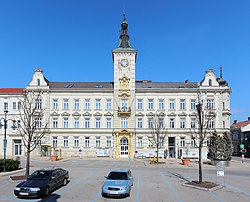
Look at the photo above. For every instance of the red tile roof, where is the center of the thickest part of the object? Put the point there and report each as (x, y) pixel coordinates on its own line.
(11, 90)
(240, 124)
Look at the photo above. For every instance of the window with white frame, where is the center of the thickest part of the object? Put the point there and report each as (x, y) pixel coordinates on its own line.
(65, 122)
(139, 103)
(38, 104)
(65, 141)
(193, 143)
(210, 104)
(19, 105)
(55, 122)
(14, 105)
(150, 104)
(139, 141)
(76, 122)
(171, 123)
(124, 103)
(150, 122)
(87, 122)
(54, 141)
(55, 104)
(108, 104)
(182, 104)
(193, 122)
(76, 141)
(87, 103)
(223, 124)
(171, 104)
(151, 142)
(97, 103)
(38, 122)
(182, 142)
(97, 122)
(76, 104)
(161, 122)
(210, 122)
(109, 141)
(182, 123)
(124, 122)
(65, 104)
(192, 104)
(98, 141)
(161, 104)
(139, 123)
(108, 122)
(86, 141)
(5, 106)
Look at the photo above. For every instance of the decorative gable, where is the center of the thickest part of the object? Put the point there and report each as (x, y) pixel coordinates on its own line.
(54, 114)
(65, 114)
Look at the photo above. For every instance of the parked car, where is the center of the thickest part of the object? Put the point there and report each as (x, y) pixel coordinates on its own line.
(117, 183)
(41, 183)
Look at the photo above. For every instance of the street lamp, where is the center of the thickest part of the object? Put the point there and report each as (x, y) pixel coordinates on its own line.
(5, 120)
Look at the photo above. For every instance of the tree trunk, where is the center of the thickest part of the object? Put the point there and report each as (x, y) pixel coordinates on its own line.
(157, 154)
(27, 164)
(200, 165)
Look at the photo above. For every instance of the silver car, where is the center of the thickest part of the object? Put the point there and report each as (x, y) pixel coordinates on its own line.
(117, 183)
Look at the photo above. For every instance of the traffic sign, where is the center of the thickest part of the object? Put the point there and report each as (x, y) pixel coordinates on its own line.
(241, 146)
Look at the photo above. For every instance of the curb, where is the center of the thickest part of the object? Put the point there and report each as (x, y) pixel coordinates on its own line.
(203, 188)
(12, 172)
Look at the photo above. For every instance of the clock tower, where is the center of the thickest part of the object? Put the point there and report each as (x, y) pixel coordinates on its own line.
(124, 59)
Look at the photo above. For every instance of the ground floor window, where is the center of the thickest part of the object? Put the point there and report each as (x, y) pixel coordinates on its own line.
(17, 147)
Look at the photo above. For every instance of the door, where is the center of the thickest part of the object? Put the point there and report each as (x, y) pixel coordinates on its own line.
(124, 147)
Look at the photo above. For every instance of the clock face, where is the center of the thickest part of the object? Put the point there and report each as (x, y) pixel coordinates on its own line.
(124, 62)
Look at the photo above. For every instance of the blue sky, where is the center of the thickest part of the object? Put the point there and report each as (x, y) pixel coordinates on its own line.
(72, 40)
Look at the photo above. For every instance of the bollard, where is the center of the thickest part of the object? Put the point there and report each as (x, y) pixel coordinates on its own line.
(242, 158)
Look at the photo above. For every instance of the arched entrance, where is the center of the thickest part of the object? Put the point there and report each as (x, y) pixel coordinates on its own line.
(124, 147)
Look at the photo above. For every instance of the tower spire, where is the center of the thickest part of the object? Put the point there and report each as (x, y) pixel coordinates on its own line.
(124, 36)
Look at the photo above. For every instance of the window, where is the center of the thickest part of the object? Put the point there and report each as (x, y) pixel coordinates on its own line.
(192, 104)
(161, 122)
(38, 82)
(223, 124)
(19, 105)
(97, 122)
(14, 105)
(139, 122)
(193, 122)
(150, 122)
(38, 122)
(65, 122)
(108, 104)
(86, 141)
(151, 142)
(65, 104)
(161, 104)
(223, 105)
(76, 104)
(150, 104)
(108, 122)
(55, 104)
(210, 123)
(55, 122)
(98, 141)
(38, 104)
(171, 104)
(139, 103)
(66, 141)
(182, 123)
(76, 122)
(182, 104)
(210, 104)
(182, 142)
(87, 122)
(124, 122)
(210, 82)
(98, 104)
(193, 143)
(139, 141)
(5, 106)
(124, 103)
(17, 147)
(87, 103)
(109, 141)
(171, 123)
(76, 141)
(54, 141)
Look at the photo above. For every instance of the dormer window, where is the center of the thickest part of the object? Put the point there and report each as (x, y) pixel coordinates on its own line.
(38, 82)
(210, 82)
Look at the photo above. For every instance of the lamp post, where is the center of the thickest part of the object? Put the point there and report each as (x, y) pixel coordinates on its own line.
(5, 120)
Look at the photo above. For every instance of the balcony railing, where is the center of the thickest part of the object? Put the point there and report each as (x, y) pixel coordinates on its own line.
(124, 111)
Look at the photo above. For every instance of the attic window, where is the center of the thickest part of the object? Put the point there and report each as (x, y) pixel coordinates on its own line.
(68, 85)
(38, 82)
(210, 82)
(99, 86)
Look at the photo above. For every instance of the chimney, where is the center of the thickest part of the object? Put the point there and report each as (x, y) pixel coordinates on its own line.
(186, 81)
(248, 119)
(235, 121)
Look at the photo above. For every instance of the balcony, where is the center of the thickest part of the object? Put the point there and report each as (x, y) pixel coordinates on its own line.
(226, 112)
(124, 111)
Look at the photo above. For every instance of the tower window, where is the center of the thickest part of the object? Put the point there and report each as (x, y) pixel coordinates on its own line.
(38, 82)
(210, 82)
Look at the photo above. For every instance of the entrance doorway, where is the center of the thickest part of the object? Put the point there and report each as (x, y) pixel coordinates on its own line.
(171, 147)
(124, 147)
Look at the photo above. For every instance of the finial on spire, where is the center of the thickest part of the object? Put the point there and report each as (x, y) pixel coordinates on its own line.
(220, 71)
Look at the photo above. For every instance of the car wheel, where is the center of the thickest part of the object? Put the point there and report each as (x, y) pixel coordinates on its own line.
(103, 195)
(128, 195)
(46, 191)
(64, 182)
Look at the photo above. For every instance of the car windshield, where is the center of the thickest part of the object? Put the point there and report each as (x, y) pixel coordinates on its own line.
(39, 175)
(117, 176)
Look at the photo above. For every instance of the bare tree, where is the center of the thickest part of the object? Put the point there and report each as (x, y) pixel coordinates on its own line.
(32, 125)
(158, 132)
(204, 120)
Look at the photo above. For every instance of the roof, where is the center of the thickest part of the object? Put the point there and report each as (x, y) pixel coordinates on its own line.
(240, 124)
(11, 90)
(168, 85)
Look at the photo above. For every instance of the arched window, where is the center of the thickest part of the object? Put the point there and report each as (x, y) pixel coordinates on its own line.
(38, 82)
(210, 82)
